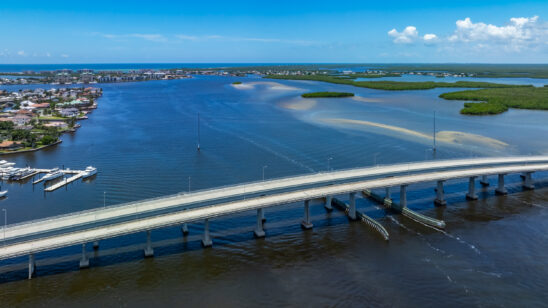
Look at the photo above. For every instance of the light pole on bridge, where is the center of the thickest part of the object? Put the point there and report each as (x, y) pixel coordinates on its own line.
(264, 167)
(328, 163)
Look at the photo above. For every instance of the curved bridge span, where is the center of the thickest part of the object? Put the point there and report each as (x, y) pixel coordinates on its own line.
(79, 228)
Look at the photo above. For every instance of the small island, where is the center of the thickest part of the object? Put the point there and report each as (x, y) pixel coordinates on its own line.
(326, 94)
(495, 101)
(237, 82)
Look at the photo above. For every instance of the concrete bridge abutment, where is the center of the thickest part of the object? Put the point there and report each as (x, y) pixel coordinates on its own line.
(306, 224)
(259, 231)
(149, 252)
(471, 195)
(84, 260)
(440, 201)
(206, 241)
(501, 190)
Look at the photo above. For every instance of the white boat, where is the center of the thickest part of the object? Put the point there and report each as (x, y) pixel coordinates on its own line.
(8, 172)
(89, 172)
(6, 165)
(3, 193)
(55, 173)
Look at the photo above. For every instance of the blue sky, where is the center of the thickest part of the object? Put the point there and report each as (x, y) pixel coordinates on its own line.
(273, 31)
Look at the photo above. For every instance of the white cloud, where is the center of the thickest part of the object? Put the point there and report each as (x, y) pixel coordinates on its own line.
(21, 53)
(64, 56)
(429, 37)
(408, 35)
(150, 37)
(186, 37)
(48, 54)
(519, 34)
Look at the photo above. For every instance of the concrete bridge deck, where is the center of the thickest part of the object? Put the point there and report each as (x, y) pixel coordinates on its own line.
(222, 209)
(150, 206)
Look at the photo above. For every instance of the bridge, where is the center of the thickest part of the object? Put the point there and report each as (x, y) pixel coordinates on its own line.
(30, 238)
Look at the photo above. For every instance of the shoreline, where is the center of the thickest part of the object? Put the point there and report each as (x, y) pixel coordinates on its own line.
(32, 150)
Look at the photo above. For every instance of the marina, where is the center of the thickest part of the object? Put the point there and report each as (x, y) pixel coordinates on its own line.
(11, 173)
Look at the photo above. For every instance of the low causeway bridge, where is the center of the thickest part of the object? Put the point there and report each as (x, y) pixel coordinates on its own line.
(91, 226)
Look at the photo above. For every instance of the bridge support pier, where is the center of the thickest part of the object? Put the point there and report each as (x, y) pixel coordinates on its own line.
(32, 266)
(352, 208)
(306, 224)
(387, 196)
(95, 245)
(471, 195)
(206, 241)
(439, 195)
(263, 218)
(259, 231)
(528, 183)
(484, 181)
(501, 190)
(149, 252)
(328, 201)
(184, 229)
(84, 261)
(403, 197)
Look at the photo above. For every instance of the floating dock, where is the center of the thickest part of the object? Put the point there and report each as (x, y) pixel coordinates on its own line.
(65, 181)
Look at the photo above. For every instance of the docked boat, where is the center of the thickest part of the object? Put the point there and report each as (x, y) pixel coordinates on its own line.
(21, 173)
(90, 171)
(8, 172)
(6, 164)
(3, 193)
(55, 173)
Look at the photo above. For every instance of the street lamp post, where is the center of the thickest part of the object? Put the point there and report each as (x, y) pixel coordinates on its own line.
(328, 164)
(189, 185)
(264, 167)
(104, 199)
(375, 159)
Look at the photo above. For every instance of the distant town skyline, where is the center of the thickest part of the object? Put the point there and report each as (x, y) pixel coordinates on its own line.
(37, 32)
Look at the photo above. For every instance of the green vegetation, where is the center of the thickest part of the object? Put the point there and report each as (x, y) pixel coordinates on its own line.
(327, 94)
(495, 101)
(394, 85)
(237, 82)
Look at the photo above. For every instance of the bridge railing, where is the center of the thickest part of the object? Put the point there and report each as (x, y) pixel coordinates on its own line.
(220, 189)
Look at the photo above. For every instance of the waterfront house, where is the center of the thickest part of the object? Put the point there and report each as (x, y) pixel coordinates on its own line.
(69, 112)
(56, 124)
(8, 145)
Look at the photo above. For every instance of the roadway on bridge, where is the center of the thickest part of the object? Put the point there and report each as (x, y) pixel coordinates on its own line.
(223, 209)
(149, 206)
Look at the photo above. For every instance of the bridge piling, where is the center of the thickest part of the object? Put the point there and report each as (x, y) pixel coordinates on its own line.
(528, 183)
(501, 190)
(306, 224)
(184, 229)
(352, 209)
(259, 231)
(387, 196)
(484, 181)
(84, 261)
(206, 241)
(32, 266)
(95, 245)
(327, 205)
(403, 197)
(149, 252)
(439, 201)
(471, 195)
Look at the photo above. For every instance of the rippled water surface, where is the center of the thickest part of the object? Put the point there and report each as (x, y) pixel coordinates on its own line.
(143, 140)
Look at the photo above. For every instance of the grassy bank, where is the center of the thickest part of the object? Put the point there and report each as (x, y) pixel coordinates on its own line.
(326, 94)
(394, 85)
(495, 101)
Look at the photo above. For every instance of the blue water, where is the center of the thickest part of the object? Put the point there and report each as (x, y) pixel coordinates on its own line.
(143, 140)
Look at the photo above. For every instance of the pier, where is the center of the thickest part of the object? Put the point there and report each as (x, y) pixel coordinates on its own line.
(31, 238)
